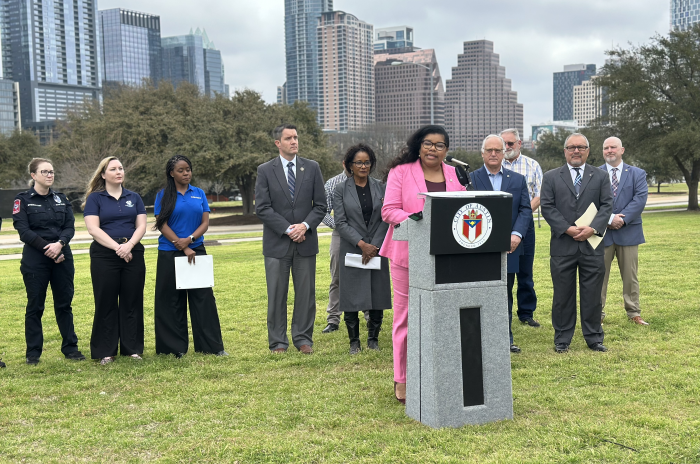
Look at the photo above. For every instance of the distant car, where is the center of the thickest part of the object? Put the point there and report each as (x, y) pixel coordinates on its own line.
(236, 197)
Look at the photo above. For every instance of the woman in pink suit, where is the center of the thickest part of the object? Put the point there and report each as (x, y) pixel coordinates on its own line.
(417, 169)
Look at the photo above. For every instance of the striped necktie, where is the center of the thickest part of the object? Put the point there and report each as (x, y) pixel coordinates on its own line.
(291, 180)
(577, 181)
(615, 182)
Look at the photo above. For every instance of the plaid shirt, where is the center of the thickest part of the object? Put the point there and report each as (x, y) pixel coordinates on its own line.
(330, 188)
(529, 168)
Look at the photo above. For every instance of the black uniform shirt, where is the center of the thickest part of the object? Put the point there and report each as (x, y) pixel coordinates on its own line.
(43, 219)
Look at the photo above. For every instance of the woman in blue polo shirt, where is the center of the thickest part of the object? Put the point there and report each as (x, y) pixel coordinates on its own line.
(182, 216)
(116, 219)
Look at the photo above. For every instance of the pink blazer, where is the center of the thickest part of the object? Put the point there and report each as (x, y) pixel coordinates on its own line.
(401, 199)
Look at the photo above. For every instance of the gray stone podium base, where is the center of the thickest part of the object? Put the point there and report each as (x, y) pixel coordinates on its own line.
(435, 356)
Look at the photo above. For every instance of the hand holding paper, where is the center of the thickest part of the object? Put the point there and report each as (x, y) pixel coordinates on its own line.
(585, 221)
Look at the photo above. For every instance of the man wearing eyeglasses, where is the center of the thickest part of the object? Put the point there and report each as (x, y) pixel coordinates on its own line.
(567, 193)
(528, 167)
(492, 176)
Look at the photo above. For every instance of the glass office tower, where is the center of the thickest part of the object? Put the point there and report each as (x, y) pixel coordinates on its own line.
(684, 13)
(194, 58)
(564, 82)
(8, 107)
(301, 17)
(130, 47)
(51, 48)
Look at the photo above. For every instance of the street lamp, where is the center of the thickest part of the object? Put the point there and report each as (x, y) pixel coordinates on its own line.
(432, 87)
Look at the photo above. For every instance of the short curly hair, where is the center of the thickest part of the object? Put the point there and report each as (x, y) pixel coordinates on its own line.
(354, 150)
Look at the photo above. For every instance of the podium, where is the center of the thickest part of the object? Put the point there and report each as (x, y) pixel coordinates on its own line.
(458, 367)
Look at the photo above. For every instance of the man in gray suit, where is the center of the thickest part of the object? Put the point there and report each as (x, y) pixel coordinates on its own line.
(291, 202)
(629, 189)
(567, 192)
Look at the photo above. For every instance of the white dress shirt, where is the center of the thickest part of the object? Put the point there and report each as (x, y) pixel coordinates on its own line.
(619, 181)
(573, 173)
(285, 162)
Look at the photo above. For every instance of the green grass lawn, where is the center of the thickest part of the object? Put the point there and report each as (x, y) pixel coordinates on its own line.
(331, 407)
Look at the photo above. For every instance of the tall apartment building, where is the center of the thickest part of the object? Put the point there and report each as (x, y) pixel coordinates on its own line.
(346, 72)
(301, 19)
(130, 47)
(51, 48)
(402, 86)
(388, 38)
(684, 13)
(564, 82)
(9, 108)
(282, 94)
(194, 58)
(479, 99)
(590, 102)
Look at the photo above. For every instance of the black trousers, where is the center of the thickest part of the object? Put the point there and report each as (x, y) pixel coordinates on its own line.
(38, 271)
(591, 272)
(118, 290)
(170, 311)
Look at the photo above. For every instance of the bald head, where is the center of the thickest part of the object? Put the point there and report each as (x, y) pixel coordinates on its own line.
(612, 151)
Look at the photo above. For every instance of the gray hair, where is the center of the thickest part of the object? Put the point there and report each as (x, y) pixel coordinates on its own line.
(512, 131)
(277, 131)
(483, 144)
(566, 142)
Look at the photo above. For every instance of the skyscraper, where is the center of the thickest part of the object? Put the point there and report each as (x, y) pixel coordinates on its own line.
(9, 110)
(346, 72)
(479, 99)
(130, 47)
(300, 21)
(403, 89)
(684, 13)
(388, 38)
(194, 58)
(564, 82)
(52, 49)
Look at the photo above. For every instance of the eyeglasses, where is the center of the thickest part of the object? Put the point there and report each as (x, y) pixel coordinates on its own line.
(497, 151)
(577, 147)
(427, 144)
(362, 164)
(47, 173)
(511, 144)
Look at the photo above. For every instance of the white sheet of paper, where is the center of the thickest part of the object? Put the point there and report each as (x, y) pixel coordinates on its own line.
(585, 220)
(197, 275)
(355, 260)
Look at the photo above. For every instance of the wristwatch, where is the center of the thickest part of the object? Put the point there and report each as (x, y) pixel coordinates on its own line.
(595, 232)
(192, 238)
(62, 243)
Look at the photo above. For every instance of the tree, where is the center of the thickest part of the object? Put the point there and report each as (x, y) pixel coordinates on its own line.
(655, 91)
(16, 151)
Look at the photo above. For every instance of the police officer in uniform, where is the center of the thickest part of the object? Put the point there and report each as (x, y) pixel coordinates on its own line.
(45, 222)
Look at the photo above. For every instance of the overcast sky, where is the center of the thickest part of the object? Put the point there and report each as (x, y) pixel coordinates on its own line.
(534, 38)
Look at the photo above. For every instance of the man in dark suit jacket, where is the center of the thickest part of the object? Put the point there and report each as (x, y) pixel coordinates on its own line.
(290, 201)
(567, 193)
(629, 189)
(492, 176)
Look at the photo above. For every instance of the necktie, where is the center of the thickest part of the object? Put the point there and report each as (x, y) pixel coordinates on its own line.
(577, 181)
(291, 180)
(615, 182)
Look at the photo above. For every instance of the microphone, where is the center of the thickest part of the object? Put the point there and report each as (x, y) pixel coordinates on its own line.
(451, 159)
(462, 171)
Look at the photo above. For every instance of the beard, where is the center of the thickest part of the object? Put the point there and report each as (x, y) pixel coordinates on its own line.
(510, 154)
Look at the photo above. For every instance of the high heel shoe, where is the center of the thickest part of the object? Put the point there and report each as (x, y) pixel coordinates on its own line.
(396, 393)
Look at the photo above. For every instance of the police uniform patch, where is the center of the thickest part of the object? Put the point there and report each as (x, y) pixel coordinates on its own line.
(57, 199)
(15, 207)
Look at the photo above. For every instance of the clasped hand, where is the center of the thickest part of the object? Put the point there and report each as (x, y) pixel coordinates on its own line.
(580, 234)
(617, 222)
(368, 251)
(124, 250)
(53, 250)
(297, 232)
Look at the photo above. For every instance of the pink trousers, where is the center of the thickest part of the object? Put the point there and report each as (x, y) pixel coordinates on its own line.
(399, 278)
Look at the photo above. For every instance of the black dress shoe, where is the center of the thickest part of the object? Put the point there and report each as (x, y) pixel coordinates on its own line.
(373, 345)
(530, 321)
(33, 360)
(221, 353)
(179, 355)
(330, 328)
(515, 349)
(598, 347)
(561, 347)
(2, 364)
(355, 347)
(75, 356)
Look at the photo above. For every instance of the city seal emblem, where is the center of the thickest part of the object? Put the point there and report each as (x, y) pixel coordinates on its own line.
(472, 225)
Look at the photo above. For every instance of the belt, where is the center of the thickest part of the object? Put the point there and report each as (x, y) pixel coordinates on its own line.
(120, 240)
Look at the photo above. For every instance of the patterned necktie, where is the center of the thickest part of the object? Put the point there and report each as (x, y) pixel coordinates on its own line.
(291, 180)
(615, 182)
(577, 181)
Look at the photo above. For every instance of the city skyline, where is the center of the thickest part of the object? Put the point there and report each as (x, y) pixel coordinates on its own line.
(530, 47)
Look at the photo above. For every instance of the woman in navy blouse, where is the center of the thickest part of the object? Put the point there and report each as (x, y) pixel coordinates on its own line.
(182, 216)
(116, 219)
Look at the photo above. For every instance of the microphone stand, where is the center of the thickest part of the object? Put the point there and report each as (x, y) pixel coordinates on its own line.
(462, 170)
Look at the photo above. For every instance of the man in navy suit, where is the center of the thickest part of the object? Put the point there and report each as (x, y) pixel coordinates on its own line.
(629, 189)
(492, 176)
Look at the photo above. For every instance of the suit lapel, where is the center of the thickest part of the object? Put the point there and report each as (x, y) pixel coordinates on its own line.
(483, 177)
(419, 177)
(282, 178)
(351, 187)
(626, 177)
(375, 186)
(566, 177)
(585, 178)
(505, 180)
(299, 177)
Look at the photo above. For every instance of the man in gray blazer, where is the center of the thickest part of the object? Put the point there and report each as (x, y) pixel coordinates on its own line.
(629, 189)
(567, 192)
(291, 202)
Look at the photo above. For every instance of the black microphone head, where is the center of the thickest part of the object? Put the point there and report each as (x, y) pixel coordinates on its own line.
(448, 158)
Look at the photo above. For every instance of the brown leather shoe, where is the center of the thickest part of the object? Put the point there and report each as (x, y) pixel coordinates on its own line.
(638, 320)
(279, 350)
(400, 392)
(306, 349)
